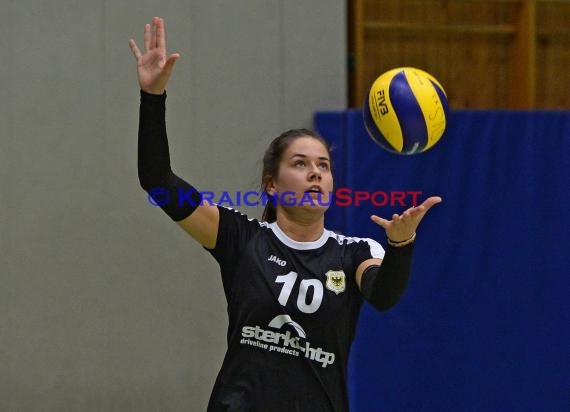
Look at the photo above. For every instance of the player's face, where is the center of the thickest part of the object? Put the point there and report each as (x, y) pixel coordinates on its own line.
(305, 170)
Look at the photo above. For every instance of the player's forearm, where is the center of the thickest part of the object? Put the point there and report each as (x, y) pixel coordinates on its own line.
(153, 153)
(383, 285)
(177, 198)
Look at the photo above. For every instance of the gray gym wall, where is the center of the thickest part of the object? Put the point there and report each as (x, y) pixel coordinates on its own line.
(105, 304)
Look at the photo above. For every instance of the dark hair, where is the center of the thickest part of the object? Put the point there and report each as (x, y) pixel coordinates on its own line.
(271, 161)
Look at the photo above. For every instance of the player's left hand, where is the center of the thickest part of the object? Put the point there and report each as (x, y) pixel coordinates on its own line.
(403, 227)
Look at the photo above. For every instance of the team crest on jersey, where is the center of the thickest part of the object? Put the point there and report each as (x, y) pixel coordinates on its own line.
(336, 281)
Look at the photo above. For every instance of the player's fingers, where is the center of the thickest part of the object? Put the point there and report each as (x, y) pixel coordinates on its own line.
(170, 62)
(153, 33)
(379, 221)
(416, 211)
(147, 37)
(135, 49)
(430, 201)
(160, 34)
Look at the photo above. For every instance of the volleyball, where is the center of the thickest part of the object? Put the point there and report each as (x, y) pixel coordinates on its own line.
(406, 111)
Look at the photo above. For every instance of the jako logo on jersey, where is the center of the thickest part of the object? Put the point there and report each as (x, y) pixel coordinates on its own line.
(285, 343)
(275, 259)
(336, 281)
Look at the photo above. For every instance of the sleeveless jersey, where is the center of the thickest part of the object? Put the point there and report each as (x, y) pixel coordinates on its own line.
(292, 310)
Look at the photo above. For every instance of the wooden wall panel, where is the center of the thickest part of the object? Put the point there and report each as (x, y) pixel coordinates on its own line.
(487, 54)
(472, 74)
(553, 55)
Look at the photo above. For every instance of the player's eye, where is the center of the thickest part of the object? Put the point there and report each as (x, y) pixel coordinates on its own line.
(324, 166)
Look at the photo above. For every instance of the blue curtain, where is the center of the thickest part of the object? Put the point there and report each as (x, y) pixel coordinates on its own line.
(485, 322)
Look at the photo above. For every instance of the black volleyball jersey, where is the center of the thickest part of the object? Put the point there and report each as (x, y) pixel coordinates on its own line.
(292, 309)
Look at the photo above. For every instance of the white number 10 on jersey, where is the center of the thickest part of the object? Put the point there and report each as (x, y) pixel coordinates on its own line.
(289, 281)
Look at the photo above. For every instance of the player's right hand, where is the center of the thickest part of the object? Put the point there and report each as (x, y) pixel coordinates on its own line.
(154, 67)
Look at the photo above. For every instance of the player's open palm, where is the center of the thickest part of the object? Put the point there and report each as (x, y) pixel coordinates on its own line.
(154, 66)
(403, 226)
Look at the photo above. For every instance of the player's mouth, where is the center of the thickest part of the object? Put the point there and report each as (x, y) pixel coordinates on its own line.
(314, 189)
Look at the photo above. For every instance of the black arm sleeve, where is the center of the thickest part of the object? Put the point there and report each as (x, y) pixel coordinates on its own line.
(175, 196)
(383, 285)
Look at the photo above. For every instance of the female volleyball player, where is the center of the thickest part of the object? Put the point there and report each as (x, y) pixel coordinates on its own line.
(294, 289)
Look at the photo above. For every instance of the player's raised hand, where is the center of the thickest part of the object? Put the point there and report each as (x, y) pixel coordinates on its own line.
(154, 66)
(403, 227)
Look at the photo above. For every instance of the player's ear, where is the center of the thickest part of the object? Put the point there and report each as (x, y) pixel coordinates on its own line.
(269, 185)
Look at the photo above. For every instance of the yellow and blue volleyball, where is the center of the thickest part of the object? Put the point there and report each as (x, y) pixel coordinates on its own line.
(406, 111)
